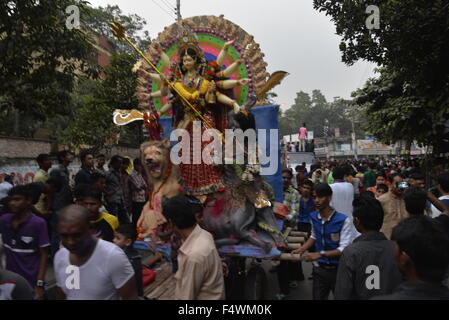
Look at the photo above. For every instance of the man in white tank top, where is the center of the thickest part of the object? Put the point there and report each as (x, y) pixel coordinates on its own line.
(87, 268)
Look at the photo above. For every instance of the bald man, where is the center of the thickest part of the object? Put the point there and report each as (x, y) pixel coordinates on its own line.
(87, 268)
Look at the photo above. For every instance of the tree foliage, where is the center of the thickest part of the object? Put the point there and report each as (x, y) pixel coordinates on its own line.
(394, 112)
(92, 125)
(40, 58)
(320, 116)
(97, 20)
(412, 46)
(46, 68)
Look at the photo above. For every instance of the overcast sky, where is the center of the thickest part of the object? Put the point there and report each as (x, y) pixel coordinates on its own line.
(294, 37)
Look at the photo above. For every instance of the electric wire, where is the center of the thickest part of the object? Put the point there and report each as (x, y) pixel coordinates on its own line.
(163, 9)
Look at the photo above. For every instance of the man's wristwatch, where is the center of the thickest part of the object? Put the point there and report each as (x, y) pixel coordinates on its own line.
(40, 284)
(322, 253)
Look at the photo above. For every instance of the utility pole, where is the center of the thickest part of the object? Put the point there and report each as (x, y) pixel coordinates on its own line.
(354, 140)
(178, 9)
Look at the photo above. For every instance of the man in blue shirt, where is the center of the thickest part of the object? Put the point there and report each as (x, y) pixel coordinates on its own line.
(331, 234)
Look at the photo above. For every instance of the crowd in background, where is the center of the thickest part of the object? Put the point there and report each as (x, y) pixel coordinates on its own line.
(362, 218)
(351, 210)
(299, 146)
(113, 196)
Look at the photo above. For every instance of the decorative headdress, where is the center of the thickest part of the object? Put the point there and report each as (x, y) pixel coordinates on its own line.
(189, 40)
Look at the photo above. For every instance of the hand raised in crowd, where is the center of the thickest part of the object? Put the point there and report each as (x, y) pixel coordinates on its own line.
(440, 205)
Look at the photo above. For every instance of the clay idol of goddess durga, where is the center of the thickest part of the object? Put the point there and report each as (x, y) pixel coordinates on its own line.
(237, 201)
(205, 85)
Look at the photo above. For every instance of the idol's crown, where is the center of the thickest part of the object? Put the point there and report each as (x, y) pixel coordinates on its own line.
(189, 40)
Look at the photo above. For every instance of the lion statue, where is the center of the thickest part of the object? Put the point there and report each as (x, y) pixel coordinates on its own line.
(164, 178)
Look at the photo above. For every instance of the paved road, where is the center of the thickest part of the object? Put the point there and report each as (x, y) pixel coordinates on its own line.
(239, 289)
(302, 292)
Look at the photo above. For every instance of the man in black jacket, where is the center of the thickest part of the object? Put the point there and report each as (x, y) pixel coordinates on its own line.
(422, 254)
(84, 176)
(367, 267)
(64, 197)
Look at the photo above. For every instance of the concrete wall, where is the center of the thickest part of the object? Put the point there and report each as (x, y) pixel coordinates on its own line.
(18, 148)
(18, 156)
(24, 170)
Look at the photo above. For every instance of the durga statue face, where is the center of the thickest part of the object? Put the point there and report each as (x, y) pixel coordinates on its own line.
(189, 60)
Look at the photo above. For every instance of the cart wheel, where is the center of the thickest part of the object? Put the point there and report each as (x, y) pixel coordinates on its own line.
(255, 284)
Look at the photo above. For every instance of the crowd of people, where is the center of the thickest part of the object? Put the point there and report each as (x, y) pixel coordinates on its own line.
(299, 146)
(87, 227)
(99, 201)
(376, 230)
(302, 145)
(368, 220)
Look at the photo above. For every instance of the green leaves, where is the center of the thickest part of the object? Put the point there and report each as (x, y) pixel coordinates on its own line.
(410, 99)
(314, 111)
(92, 124)
(40, 58)
(97, 20)
(45, 69)
(393, 116)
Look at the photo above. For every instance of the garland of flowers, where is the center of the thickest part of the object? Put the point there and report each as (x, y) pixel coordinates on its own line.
(151, 197)
(152, 193)
(250, 172)
(268, 228)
